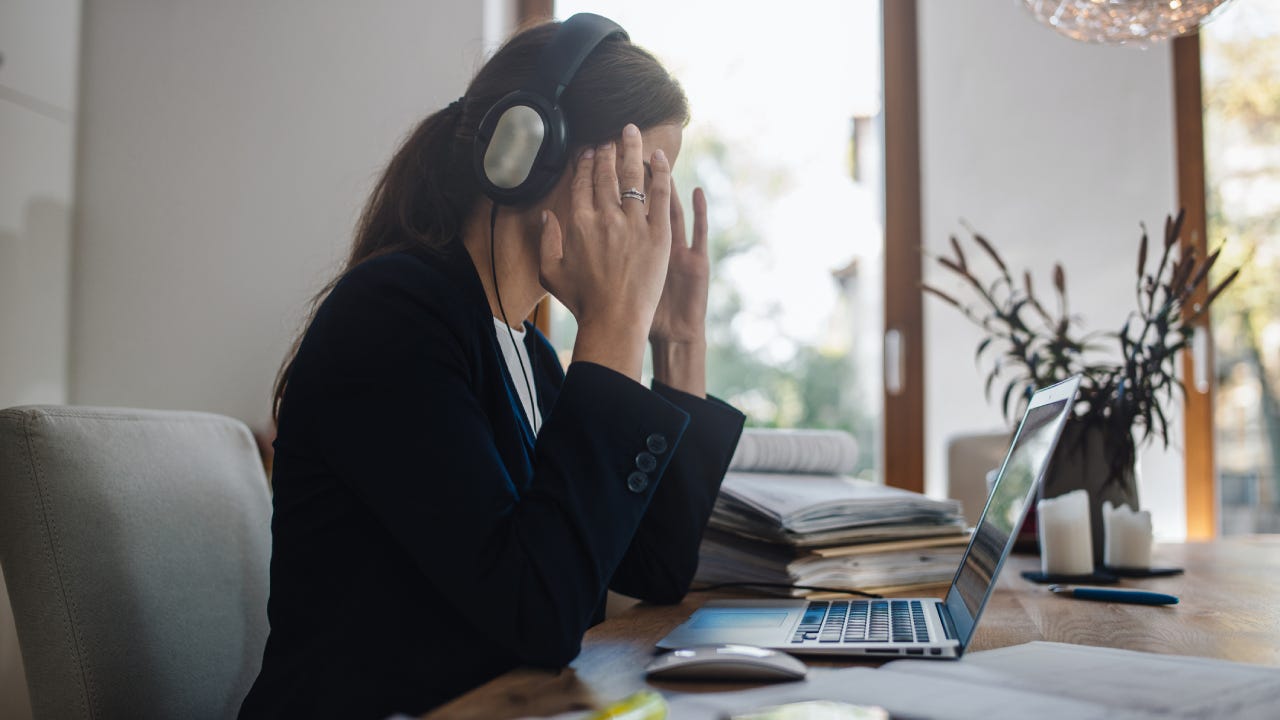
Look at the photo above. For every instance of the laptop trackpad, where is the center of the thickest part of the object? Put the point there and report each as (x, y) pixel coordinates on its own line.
(725, 619)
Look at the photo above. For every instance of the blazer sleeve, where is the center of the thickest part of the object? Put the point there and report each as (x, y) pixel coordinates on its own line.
(401, 424)
(663, 557)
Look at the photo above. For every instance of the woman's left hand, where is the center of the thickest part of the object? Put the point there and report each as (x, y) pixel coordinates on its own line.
(679, 331)
(681, 316)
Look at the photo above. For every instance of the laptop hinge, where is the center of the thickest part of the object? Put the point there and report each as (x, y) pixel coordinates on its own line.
(947, 626)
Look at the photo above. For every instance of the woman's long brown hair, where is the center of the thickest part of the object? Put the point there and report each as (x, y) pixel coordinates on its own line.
(429, 188)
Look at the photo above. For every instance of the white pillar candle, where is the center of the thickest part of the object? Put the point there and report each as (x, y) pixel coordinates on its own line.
(1128, 537)
(1066, 544)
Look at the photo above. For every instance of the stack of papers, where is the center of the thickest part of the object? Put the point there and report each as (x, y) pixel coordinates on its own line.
(789, 507)
(822, 528)
(866, 566)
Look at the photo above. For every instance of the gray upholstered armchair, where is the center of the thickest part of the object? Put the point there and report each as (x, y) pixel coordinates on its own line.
(135, 547)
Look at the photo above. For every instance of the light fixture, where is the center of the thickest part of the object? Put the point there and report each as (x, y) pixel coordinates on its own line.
(1138, 22)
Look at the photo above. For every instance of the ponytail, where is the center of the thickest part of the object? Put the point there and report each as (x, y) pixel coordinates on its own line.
(420, 202)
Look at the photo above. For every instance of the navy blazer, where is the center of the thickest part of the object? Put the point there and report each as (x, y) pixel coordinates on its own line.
(423, 541)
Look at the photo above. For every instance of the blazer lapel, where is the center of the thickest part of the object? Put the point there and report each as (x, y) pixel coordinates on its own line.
(460, 266)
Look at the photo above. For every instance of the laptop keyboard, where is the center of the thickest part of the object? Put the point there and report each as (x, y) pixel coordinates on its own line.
(899, 621)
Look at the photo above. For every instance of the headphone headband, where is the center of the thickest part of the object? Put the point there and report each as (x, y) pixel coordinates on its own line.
(569, 47)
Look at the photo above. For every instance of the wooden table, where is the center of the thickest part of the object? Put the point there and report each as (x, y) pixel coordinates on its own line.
(1228, 610)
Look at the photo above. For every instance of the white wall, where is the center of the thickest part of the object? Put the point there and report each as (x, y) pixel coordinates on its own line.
(226, 149)
(39, 42)
(1055, 150)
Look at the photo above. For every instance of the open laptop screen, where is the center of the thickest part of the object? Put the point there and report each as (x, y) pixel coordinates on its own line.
(1006, 508)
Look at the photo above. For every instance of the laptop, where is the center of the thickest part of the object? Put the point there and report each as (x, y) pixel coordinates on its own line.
(915, 627)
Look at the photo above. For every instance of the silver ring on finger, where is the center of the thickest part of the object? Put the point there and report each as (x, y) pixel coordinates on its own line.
(634, 194)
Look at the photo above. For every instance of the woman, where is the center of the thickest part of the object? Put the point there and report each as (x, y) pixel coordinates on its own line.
(450, 503)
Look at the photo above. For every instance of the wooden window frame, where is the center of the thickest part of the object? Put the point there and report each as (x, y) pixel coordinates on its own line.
(903, 450)
(527, 10)
(903, 415)
(1201, 493)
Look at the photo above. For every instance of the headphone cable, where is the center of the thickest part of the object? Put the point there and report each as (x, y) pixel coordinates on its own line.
(493, 268)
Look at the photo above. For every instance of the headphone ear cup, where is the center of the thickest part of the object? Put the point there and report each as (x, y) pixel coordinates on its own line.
(520, 148)
(521, 145)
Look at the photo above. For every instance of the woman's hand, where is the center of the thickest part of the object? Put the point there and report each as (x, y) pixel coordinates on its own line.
(607, 263)
(679, 331)
(682, 310)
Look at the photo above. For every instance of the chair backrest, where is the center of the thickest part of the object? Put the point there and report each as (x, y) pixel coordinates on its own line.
(15, 701)
(969, 459)
(135, 546)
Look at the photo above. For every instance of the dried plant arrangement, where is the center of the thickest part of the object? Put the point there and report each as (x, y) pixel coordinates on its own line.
(1128, 376)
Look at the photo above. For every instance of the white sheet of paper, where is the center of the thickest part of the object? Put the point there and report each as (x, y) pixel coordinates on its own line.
(809, 502)
(1038, 679)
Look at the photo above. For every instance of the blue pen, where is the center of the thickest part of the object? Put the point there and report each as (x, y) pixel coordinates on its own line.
(1120, 595)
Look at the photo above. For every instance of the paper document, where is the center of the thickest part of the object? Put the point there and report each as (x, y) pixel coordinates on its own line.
(813, 502)
(795, 451)
(1044, 680)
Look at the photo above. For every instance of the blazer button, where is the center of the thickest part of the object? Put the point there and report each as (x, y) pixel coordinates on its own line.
(657, 443)
(646, 462)
(637, 482)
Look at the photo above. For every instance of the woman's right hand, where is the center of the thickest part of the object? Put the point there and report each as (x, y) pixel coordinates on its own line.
(608, 262)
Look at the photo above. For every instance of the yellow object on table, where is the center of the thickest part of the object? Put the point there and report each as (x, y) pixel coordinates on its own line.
(644, 705)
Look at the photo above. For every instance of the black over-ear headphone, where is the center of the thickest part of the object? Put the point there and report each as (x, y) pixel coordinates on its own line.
(522, 144)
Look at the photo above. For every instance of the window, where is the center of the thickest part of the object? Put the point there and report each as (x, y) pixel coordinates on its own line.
(1240, 66)
(786, 139)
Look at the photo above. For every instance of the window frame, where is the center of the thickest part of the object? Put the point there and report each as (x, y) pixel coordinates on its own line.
(1198, 461)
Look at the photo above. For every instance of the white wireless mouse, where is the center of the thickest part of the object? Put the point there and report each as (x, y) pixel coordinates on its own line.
(726, 662)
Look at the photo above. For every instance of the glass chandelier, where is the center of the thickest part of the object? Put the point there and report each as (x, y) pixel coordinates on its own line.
(1139, 22)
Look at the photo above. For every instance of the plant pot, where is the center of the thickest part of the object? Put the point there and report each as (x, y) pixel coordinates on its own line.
(1103, 464)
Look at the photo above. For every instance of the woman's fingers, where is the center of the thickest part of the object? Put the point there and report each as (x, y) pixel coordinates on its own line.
(581, 188)
(608, 262)
(605, 176)
(550, 250)
(631, 172)
(677, 219)
(660, 197)
(699, 221)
